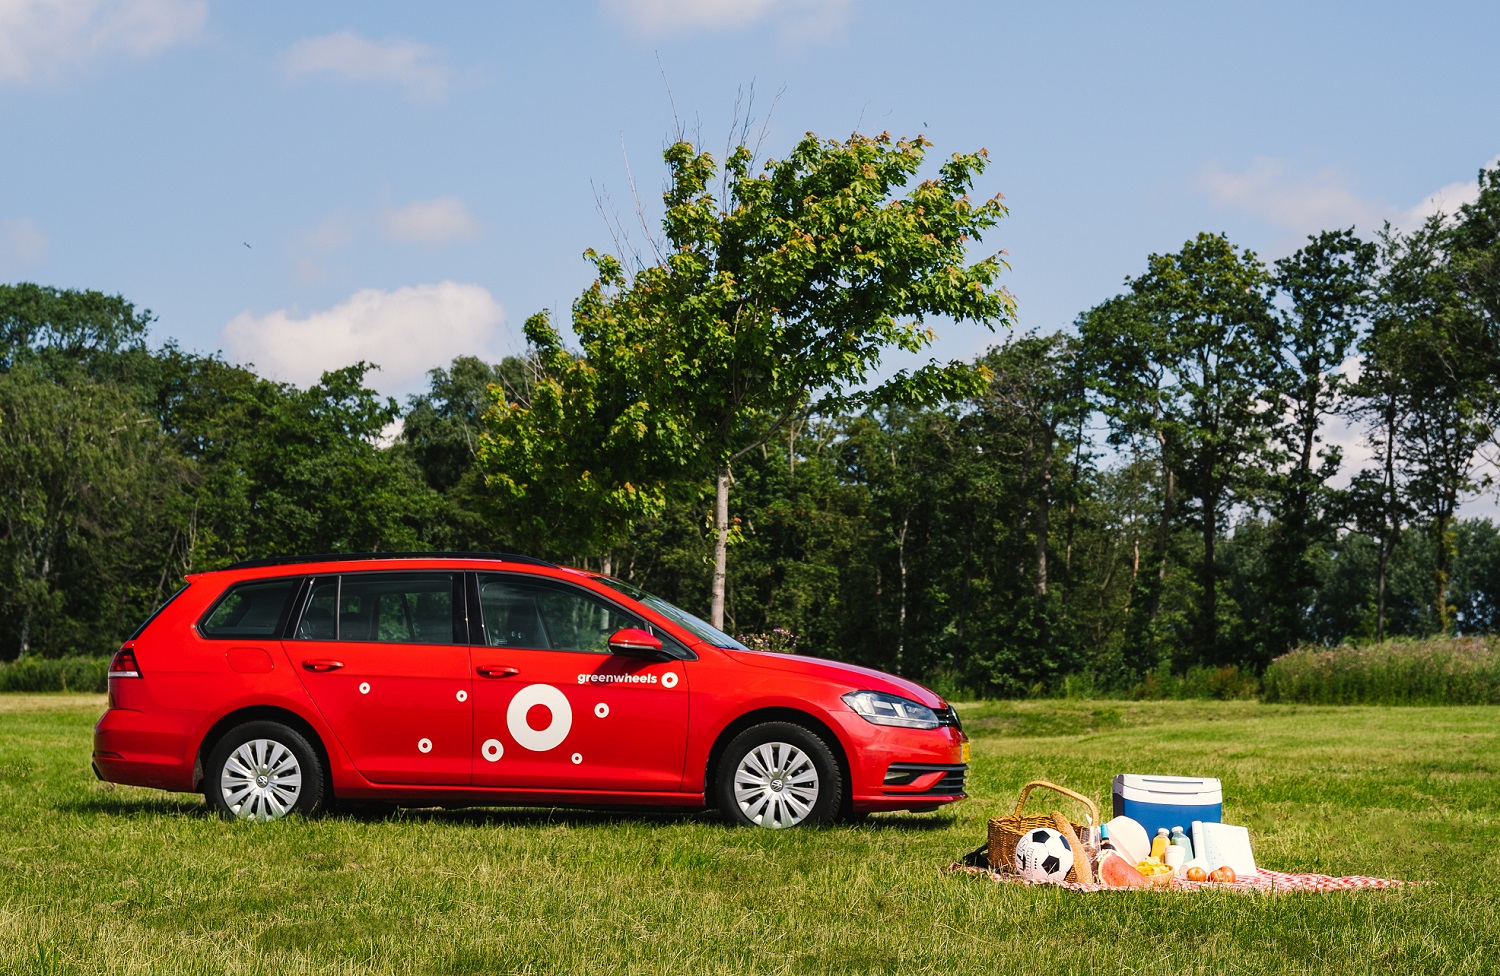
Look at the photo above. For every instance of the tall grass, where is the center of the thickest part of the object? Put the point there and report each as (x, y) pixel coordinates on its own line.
(1435, 671)
(55, 674)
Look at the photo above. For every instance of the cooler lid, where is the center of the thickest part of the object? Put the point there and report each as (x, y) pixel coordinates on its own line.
(1169, 789)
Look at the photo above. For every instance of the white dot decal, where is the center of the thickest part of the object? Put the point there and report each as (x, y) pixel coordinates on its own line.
(577, 758)
(463, 696)
(364, 687)
(492, 750)
(601, 710)
(669, 680)
(556, 731)
(424, 745)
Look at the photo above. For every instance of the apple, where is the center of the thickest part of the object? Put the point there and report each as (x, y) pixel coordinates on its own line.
(1224, 873)
(1195, 873)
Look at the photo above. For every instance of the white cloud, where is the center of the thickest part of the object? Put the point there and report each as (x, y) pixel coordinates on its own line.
(406, 331)
(798, 19)
(23, 242)
(349, 58)
(1304, 203)
(1444, 201)
(40, 40)
(437, 221)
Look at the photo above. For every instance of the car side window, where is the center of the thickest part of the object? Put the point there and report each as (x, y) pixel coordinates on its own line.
(252, 609)
(398, 608)
(545, 616)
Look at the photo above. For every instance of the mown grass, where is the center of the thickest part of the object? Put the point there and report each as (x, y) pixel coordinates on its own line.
(96, 879)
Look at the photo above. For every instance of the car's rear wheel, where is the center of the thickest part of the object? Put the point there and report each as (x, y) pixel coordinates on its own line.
(779, 775)
(264, 771)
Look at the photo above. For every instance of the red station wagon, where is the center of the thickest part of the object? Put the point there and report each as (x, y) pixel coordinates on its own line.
(279, 685)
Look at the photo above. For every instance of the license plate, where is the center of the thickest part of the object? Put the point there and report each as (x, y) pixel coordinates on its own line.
(963, 752)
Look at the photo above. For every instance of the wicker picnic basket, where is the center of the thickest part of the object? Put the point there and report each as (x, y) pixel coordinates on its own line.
(1006, 831)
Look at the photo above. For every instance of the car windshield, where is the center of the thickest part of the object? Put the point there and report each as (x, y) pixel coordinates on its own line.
(701, 629)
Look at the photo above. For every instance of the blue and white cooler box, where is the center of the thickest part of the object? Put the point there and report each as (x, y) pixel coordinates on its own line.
(1167, 801)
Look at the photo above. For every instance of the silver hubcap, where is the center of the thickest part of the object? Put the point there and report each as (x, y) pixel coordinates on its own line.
(261, 780)
(776, 785)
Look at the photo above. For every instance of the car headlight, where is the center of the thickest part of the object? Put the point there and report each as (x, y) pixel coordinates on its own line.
(881, 709)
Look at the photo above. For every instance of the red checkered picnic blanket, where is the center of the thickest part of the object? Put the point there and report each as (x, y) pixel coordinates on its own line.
(1265, 881)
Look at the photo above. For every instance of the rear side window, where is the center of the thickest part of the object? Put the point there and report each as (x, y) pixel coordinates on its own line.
(388, 608)
(253, 609)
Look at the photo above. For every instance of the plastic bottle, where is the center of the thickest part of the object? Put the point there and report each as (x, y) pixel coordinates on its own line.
(1159, 844)
(1180, 839)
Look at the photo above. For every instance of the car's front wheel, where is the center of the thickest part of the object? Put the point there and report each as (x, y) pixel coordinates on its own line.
(777, 775)
(264, 771)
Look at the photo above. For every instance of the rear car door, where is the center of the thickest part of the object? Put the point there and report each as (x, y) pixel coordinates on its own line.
(384, 656)
(553, 708)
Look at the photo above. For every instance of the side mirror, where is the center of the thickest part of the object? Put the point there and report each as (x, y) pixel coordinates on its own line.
(634, 642)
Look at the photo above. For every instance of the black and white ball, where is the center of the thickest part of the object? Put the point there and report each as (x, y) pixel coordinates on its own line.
(1044, 855)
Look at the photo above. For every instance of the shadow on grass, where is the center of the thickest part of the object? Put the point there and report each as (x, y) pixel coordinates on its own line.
(113, 804)
(116, 805)
(580, 817)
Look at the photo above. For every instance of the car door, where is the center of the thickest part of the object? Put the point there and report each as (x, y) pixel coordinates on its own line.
(385, 658)
(553, 708)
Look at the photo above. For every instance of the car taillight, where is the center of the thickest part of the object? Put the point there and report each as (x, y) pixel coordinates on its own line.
(123, 665)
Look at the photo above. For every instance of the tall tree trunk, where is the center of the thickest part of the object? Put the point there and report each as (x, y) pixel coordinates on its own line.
(1043, 516)
(1442, 532)
(1390, 520)
(901, 612)
(1163, 529)
(1208, 623)
(721, 544)
(607, 564)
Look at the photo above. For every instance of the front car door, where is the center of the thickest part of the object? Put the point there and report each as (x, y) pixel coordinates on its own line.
(384, 656)
(553, 708)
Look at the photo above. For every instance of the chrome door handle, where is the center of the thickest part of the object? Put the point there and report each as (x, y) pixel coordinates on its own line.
(322, 665)
(496, 671)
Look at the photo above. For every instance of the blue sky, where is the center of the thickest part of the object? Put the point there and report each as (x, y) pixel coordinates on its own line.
(414, 180)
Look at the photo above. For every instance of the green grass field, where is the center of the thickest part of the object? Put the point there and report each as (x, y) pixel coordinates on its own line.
(96, 879)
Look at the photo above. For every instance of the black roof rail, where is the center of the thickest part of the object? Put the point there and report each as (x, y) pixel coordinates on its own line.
(339, 557)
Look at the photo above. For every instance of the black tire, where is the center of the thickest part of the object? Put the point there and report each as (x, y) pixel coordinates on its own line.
(773, 788)
(254, 764)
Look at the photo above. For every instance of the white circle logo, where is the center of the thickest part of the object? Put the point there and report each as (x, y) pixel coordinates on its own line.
(492, 750)
(601, 710)
(424, 745)
(669, 680)
(463, 696)
(364, 687)
(577, 758)
(556, 731)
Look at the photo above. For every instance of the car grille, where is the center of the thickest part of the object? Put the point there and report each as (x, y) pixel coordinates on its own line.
(951, 783)
(949, 717)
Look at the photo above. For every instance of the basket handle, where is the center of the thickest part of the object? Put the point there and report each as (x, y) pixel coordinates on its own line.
(1026, 791)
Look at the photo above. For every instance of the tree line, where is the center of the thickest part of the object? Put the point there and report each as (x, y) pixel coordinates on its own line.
(1149, 490)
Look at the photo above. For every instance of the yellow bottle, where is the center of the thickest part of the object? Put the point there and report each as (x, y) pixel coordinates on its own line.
(1159, 845)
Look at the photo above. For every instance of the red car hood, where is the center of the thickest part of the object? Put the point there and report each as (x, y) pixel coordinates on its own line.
(856, 677)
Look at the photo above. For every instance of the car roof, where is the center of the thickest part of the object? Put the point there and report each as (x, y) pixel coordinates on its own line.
(341, 557)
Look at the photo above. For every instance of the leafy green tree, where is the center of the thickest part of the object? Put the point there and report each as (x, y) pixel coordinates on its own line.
(574, 458)
(61, 326)
(441, 432)
(1325, 288)
(1445, 357)
(1186, 358)
(777, 297)
(85, 478)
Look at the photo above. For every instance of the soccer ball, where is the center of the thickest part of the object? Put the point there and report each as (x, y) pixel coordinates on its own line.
(1044, 855)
